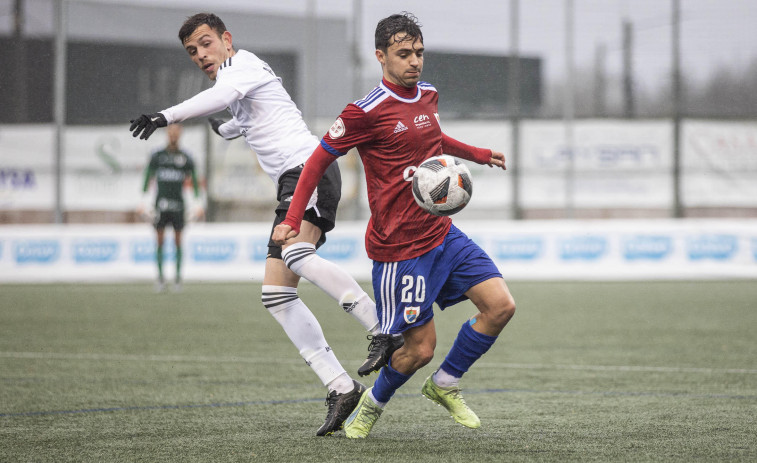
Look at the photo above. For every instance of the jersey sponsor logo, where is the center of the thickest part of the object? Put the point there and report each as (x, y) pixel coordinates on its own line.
(337, 129)
(400, 127)
(36, 251)
(411, 314)
(169, 174)
(712, 247)
(422, 121)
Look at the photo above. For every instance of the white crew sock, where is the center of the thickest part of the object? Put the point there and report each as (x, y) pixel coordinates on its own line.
(302, 260)
(380, 404)
(303, 330)
(341, 384)
(443, 379)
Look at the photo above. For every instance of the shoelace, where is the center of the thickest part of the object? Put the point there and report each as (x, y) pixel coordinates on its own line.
(376, 343)
(368, 415)
(330, 401)
(456, 395)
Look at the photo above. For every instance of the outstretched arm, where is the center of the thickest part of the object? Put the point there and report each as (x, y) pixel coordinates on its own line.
(204, 103)
(315, 166)
(471, 153)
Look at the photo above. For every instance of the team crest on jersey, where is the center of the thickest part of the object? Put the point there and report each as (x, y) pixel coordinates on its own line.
(337, 130)
(411, 314)
(437, 118)
(179, 161)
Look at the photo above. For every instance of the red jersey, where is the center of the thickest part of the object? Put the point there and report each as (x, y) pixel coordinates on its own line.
(394, 130)
(393, 135)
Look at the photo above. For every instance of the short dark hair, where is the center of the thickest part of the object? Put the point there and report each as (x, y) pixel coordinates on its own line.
(387, 28)
(195, 21)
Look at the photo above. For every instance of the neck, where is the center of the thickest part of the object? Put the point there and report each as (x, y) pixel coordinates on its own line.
(404, 92)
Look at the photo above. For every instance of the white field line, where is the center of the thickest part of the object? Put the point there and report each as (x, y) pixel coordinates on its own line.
(233, 359)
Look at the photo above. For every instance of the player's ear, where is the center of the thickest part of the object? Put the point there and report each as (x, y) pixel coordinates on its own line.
(380, 57)
(226, 37)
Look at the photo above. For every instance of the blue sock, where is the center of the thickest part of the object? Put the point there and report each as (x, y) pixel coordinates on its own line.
(388, 381)
(469, 346)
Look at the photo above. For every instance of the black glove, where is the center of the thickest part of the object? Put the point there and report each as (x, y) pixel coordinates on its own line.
(147, 123)
(215, 123)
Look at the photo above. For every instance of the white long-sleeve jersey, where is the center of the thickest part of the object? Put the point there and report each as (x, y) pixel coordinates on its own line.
(261, 110)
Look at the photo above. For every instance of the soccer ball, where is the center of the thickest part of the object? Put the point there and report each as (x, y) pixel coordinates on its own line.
(442, 185)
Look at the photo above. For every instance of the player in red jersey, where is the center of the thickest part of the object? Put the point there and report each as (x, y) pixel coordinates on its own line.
(418, 258)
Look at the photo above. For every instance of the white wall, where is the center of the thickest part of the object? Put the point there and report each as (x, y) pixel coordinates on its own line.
(617, 164)
(533, 250)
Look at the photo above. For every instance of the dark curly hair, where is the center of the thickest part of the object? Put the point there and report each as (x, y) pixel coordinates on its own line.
(387, 28)
(195, 21)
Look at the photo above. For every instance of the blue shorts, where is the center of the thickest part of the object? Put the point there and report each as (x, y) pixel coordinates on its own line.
(406, 290)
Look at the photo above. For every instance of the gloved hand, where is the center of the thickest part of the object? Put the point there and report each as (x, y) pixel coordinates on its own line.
(146, 124)
(215, 123)
(197, 214)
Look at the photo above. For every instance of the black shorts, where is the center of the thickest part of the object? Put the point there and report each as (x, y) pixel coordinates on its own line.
(163, 218)
(323, 215)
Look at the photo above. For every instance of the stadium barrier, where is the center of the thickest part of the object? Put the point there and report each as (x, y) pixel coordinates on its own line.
(523, 250)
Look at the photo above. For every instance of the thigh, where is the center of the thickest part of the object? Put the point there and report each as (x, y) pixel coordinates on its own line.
(468, 265)
(405, 291)
(278, 274)
(320, 214)
(175, 218)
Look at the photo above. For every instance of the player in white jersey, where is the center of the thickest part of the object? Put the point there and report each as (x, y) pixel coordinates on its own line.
(264, 113)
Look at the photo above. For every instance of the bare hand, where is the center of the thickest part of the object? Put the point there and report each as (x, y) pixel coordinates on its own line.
(281, 233)
(497, 160)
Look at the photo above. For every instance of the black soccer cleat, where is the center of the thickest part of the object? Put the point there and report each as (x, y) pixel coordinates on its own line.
(380, 350)
(340, 407)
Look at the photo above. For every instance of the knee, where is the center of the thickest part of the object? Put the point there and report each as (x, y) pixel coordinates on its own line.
(297, 256)
(420, 355)
(502, 310)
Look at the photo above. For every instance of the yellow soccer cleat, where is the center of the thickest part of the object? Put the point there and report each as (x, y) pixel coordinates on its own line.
(451, 398)
(362, 418)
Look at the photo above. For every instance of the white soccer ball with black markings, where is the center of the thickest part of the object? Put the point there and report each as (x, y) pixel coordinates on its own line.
(442, 185)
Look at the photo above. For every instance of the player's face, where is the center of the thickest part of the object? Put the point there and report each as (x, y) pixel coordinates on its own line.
(403, 61)
(208, 50)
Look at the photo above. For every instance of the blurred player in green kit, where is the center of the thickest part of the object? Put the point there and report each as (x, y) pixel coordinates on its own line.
(171, 167)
